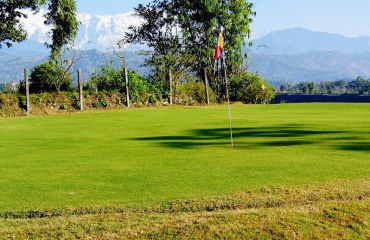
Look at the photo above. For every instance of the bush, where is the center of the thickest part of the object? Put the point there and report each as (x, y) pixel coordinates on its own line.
(193, 92)
(10, 104)
(103, 100)
(61, 101)
(107, 79)
(8, 100)
(49, 77)
(112, 80)
(142, 90)
(250, 88)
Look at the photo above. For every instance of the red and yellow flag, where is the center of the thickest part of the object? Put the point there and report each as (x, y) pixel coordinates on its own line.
(220, 46)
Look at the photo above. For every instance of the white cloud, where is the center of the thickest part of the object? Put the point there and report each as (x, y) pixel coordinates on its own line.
(35, 27)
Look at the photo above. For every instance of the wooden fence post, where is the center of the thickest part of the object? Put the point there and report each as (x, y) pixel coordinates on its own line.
(80, 89)
(127, 89)
(206, 85)
(171, 93)
(27, 92)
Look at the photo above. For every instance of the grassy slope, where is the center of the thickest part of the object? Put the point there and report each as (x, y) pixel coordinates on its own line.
(145, 156)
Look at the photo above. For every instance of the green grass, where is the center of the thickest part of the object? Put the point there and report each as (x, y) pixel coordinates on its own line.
(146, 156)
(335, 210)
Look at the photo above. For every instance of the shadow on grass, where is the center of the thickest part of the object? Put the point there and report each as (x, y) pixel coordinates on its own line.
(272, 136)
(356, 146)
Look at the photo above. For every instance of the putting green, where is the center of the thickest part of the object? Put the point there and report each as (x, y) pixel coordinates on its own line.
(143, 156)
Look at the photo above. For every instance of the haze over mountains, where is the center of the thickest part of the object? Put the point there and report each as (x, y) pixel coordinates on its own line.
(291, 55)
(299, 40)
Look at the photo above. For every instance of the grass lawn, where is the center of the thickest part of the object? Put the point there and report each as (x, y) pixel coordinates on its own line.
(146, 156)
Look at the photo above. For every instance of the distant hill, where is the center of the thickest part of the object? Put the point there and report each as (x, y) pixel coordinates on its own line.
(26, 49)
(11, 66)
(299, 40)
(311, 66)
(291, 55)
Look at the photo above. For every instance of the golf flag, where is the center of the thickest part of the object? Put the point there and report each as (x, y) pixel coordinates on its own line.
(220, 42)
(217, 53)
(219, 47)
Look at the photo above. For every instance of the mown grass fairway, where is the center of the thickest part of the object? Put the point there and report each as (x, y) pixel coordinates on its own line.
(146, 156)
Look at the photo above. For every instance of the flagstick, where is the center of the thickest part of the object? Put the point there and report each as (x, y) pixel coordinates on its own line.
(228, 100)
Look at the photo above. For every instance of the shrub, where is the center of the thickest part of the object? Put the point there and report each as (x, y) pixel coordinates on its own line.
(8, 100)
(193, 92)
(250, 88)
(49, 77)
(110, 79)
(101, 103)
(10, 104)
(61, 101)
(107, 79)
(142, 90)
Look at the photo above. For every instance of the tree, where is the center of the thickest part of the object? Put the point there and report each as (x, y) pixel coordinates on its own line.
(160, 31)
(112, 80)
(201, 21)
(360, 85)
(10, 15)
(311, 87)
(251, 88)
(177, 28)
(50, 77)
(61, 16)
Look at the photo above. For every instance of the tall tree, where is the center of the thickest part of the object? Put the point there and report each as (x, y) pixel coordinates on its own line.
(161, 33)
(10, 14)
(61, 16)
(187, 27)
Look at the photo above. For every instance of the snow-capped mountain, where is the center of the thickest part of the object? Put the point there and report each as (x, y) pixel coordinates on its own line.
(95, 31)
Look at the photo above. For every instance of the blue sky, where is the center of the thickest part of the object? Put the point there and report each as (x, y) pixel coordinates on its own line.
(351, 18)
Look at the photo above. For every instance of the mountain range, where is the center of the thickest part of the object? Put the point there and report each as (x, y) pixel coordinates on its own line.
(298, 40)
(290, 55)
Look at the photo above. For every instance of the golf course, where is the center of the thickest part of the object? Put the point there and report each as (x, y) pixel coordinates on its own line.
(140, 158)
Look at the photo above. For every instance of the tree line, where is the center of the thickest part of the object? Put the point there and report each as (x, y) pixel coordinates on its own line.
(358, 86)
(55, 78)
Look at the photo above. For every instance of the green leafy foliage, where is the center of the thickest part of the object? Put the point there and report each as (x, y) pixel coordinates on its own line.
(201, 22)
(113, 80)
(142, 90)
(61, 16)
(10, 15)
(251, 88)
(49, 77)
(183, 35)
(358, 86)
(107, 79)
(193, 92)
